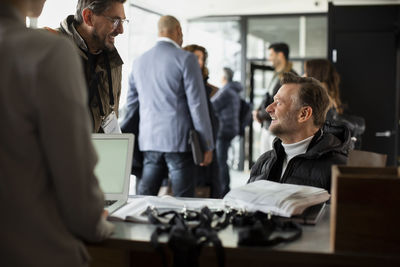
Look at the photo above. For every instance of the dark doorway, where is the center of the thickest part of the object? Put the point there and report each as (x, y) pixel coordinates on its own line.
(363, 43)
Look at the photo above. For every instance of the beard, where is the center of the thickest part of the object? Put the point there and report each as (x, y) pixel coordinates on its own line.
(286, 126)
(277, 130)
(101, 42)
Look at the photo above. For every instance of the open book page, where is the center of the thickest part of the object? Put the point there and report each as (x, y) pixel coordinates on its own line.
(135, 209)
(169, 202)
(275, 198)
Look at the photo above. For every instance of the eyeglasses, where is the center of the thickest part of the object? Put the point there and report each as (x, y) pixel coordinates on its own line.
(117, 21)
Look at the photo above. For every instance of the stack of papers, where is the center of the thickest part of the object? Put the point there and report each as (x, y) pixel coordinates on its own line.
(284, 200)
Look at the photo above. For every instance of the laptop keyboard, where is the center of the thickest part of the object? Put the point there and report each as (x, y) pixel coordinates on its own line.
(108, 203)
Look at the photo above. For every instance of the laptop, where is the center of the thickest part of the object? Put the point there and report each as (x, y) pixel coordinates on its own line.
(113, 168)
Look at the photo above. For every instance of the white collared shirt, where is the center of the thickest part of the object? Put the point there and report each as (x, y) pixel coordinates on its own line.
(166, 39)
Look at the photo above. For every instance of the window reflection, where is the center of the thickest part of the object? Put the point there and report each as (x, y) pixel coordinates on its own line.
(270, 30)
(311, 35)
(317, 37)
(221, 38)
(140, 36)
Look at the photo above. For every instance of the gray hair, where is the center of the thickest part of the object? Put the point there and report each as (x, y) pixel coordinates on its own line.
(96, 6)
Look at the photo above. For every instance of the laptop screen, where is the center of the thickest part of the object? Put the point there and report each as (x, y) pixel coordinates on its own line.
(112, 163)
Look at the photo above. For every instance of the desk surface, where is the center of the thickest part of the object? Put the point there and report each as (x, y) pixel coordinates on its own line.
(130, 246)
(314, 238)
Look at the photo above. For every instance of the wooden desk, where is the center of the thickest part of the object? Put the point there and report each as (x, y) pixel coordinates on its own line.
(129, 246)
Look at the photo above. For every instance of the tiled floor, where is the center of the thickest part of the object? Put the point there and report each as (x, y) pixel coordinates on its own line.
(238, 178)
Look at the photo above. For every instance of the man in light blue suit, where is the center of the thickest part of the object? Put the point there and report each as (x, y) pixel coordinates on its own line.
(167, 84)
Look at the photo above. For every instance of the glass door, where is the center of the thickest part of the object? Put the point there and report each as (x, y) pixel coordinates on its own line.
(260, 77)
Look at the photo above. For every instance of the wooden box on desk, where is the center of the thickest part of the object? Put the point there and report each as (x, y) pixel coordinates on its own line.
(365, 211)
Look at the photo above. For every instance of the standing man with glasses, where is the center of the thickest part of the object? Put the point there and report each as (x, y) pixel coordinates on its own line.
(93, 29)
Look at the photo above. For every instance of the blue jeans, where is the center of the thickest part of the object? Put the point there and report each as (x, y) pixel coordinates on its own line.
(222, 147)
(180, 167)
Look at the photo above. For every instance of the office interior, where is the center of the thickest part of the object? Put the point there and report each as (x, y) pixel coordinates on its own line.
(360, 37)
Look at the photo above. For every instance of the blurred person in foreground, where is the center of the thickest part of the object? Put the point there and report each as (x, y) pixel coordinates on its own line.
(303, 152)
(53, 200)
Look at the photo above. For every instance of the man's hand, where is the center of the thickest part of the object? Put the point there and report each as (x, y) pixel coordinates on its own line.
(255, 116)
(208, 155)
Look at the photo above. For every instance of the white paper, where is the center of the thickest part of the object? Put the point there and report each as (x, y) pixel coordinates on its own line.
(265, 196)
(275, 198)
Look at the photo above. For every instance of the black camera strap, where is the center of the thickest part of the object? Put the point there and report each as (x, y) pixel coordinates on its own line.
(188, 232)
(110, 84)
(261, 229)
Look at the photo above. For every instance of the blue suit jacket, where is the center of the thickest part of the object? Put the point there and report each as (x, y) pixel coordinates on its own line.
(168, 84)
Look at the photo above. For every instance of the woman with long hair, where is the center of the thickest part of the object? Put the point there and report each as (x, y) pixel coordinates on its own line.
(202, 56)
(207, 176)
(324, 71)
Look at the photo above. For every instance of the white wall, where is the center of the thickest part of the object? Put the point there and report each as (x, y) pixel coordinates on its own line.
(55, 11)
(190, 9)
(186, 9)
